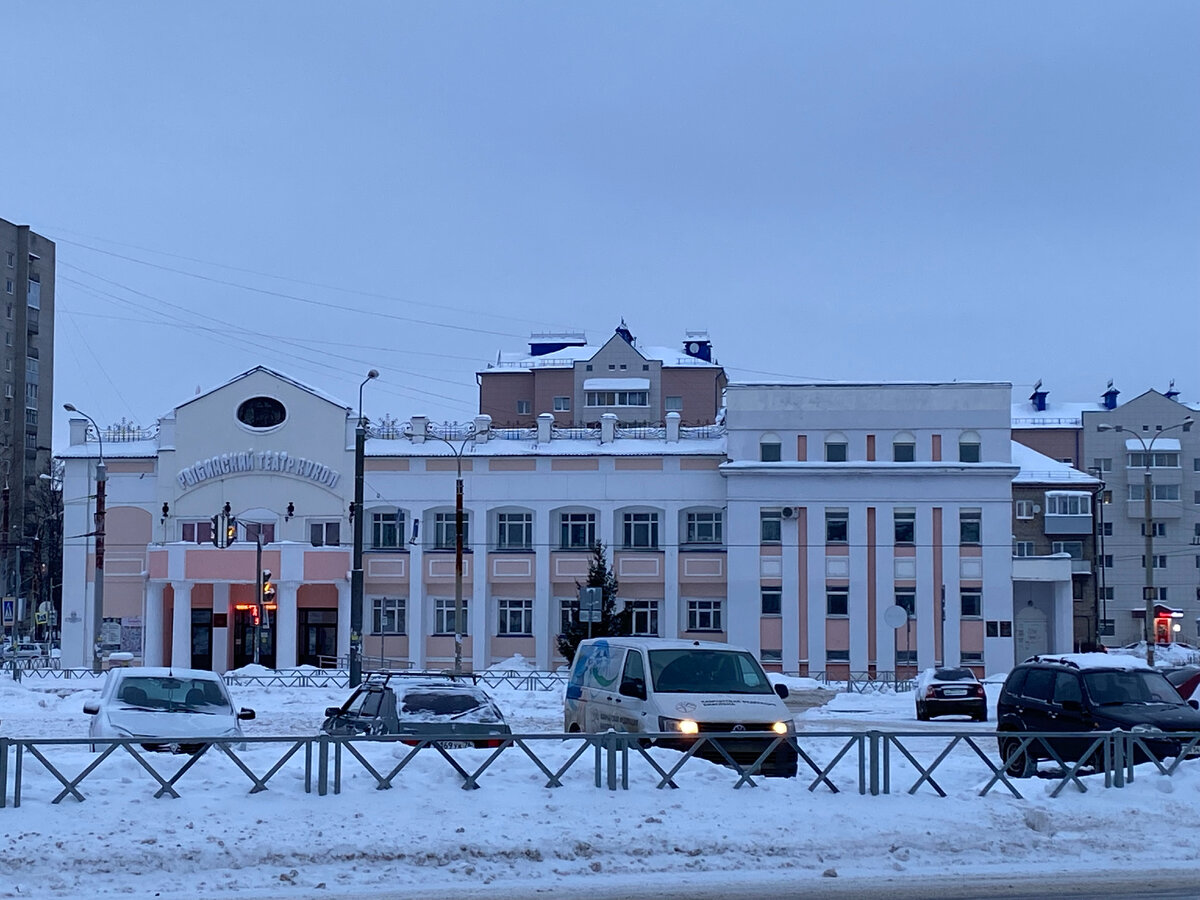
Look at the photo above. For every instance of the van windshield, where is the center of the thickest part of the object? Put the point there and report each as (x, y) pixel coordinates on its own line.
(698, 671)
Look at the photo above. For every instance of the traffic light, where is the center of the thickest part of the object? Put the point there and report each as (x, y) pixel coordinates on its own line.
(268, 588)
(224, 529)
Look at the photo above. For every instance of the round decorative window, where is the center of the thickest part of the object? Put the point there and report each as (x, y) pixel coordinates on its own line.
(261, 412)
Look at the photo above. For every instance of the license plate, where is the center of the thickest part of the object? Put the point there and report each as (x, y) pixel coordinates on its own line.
(455, 745)
(955, 692)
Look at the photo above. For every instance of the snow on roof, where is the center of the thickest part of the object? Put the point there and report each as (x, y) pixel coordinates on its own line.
(1098, 660)
(1037, 468)
(557, 447)
(567, 356)
(275, 373)
(1055, 415)
(112, 450)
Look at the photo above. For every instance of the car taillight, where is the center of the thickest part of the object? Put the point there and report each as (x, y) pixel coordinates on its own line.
(977, 690)
(493, 743)
(930, 691)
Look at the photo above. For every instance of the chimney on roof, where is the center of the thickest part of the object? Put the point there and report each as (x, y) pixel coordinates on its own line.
(1039, 397)
(1110, 396)
(1171, 393)
(625, 333)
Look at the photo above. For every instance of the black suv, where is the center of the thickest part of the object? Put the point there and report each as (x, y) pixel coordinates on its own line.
(1087, 693)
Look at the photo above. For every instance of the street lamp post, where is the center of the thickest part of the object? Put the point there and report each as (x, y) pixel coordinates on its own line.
(471, 433)
(356, 571)
(98, 532)
(1148, 592)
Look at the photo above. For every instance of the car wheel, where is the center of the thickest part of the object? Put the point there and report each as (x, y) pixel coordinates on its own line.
(1023, 765)
(922, 714)
(982, 717)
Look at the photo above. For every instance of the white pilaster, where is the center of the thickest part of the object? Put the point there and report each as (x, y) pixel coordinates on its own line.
(669, 614)
(343, 634)
(545, 611)
(478, 615)
(857, 606)
(220, 636)
(152, 624)
(285, 623)
(181, 625)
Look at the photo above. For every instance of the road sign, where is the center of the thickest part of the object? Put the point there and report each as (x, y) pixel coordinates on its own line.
(10, 611)
(591, 601)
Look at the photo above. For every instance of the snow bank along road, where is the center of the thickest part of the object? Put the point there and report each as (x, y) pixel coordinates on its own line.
(426, 836)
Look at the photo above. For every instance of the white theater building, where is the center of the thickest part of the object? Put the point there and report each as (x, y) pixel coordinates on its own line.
(789, 528)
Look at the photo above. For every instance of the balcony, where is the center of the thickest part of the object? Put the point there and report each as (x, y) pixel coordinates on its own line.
(1078, 524)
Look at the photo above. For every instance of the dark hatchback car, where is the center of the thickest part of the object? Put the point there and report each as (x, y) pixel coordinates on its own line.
(1087, 693)
(460, 712)
(950, 691)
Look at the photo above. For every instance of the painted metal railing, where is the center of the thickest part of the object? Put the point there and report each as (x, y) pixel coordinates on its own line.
(50, 770)
(864, 682)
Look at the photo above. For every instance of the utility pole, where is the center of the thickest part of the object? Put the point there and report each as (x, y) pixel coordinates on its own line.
(98, 532)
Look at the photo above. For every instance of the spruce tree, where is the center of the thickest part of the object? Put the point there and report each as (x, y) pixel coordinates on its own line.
(612, 622)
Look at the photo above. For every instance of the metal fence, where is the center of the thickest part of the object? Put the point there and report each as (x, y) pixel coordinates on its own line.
(50, 770)
(863, 682)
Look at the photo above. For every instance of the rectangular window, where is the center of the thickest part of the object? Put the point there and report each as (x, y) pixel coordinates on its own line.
(33, 297)
(704, 615)
(524, 407)
(443, 615)
(971, 656)
(992, 629)
(514, 531)
(1108, 593)
(770, 451)
(1023, 548)
(1068, 504)
(562, 404)
(1159, 559)
(8, 286)
(196, 532)
(674, 404)
(387, 530)
(1006, 628)
(835, 451)
(972, 604)
(1161, 491)
(325, 534)
(1158, 459)
(640, 530)
(703, 528)
(1106, 529)
(770, 526)
(568, 613)
(387, 615)
(577, 531)
(643, 617)
(903, 451)
(904, 525)
(1024, 509)
(766, 656)
(8, 310)
(1106, 497)
(906, 599)
(1102, 464)
(254, 529)
(837, 656)
(617, 398)
(1196, 498)
(11, 259)
(906, 657)
(1106, 561)
(772, 601)
(968, 451)
(445, 530)
(837, 526)
(1158, 529)
(837, 601)
(1074, 549)
(516, 616)
(970, 526)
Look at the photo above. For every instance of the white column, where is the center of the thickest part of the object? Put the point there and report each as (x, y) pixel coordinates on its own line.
(343, 634)
(857, 606)
(220, 636)
(152, 624)
(816, 588)
(927, 593)
(181, 625)
(477, 614)
(885, 587)
(670, 585)
(419, 615)
(285, 624)
(545, 611)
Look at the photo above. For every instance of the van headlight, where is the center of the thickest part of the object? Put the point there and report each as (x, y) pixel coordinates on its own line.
(1146, 729)
(781, 728)
(683, 726)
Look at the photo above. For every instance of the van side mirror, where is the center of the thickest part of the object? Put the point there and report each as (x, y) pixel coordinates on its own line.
(782, 691)
(331, 711)
(91, 708)
(246, 714)
(634, 687)
(1194, 704)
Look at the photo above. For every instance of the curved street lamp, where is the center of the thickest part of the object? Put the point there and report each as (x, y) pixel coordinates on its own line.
(98, 532)
(1148, 592)
(468, 435)
(356, 571)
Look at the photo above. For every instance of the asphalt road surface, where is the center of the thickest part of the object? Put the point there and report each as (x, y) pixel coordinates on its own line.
(1114, 885)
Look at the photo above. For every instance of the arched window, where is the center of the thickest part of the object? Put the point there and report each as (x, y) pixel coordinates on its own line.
(968, 447)
(836, 447)
(770, 448)
(904, 448)
(387, 528)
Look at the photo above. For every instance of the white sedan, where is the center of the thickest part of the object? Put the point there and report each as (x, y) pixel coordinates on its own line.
(165, 709)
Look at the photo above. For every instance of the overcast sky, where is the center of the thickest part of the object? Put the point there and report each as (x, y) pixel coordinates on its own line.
(836, 190)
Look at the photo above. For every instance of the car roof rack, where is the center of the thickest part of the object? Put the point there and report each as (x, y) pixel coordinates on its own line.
(383, 676)
(1054, 659)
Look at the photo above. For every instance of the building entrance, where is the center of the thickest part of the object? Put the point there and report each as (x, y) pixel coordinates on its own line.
(243, 640)
(202, 638)
(318, 637)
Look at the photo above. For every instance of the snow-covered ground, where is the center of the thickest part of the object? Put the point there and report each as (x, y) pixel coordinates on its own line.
(426, 833)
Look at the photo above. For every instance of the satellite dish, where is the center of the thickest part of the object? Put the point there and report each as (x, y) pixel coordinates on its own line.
(895, 616)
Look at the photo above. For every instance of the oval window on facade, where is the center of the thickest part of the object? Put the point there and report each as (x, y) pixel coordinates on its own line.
(261, 412)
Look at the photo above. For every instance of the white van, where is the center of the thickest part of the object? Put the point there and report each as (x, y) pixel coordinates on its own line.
(680, 688)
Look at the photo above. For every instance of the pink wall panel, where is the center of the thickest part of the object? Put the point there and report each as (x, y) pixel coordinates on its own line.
(325, 566)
